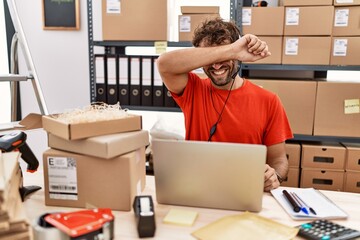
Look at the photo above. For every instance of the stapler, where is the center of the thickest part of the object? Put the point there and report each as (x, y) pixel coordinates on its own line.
(145, 216)
(16, 141)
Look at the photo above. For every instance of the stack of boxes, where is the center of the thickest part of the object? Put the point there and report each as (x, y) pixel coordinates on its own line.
(94, 165)
(323, 165)
(352, 167)
(293, 153)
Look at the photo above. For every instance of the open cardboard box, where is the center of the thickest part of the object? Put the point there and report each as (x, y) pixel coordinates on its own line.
(91, 129)
(31, 121)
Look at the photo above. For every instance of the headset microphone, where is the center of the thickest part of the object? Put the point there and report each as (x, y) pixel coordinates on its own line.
(260, 4)
(213, 128)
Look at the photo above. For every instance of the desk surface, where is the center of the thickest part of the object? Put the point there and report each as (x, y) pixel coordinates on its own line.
(125, 227)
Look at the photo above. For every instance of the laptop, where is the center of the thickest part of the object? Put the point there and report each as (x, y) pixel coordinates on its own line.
(209, 174)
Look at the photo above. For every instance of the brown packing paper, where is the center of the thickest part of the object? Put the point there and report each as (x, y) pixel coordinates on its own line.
(248, 226)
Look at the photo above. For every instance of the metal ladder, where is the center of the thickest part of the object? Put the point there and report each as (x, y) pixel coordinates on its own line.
(14, 77)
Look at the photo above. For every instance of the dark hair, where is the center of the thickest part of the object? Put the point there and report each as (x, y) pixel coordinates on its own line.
(215, 32)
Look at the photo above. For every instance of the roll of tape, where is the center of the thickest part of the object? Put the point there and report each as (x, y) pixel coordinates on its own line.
(44, 231)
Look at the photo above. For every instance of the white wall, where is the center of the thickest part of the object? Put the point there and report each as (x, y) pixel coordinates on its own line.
(4, 69)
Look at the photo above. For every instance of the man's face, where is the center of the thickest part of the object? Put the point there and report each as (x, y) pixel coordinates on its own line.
(220, 73)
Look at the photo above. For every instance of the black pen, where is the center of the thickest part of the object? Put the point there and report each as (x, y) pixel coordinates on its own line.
(302, 201)
(292, 201)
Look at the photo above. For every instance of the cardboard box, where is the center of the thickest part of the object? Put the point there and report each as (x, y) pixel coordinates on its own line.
(346, 3)
(275, 47)
(192, 17)
(263, 21)
(105, 146)
(91, 129)
(73, 180)
(345, 51)
(352, 162)
(293, 154)
(346, 21)
(135, 20)
(352, 182)
(299, 113)
(337, 111)
(322, 179)
(322, 155)
(306, 2)
(305, 21)
(292, 179)
(306, 50)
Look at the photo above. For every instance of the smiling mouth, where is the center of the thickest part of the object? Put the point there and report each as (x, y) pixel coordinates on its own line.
(219, 72)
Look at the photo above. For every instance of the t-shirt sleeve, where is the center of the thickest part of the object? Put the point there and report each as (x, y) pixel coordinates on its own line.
(278, 128)
(183, 99)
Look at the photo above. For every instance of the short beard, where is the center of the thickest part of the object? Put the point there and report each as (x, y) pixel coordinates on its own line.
(227, 81)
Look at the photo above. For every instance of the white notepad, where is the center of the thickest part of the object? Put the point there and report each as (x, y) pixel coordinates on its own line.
(322, 205)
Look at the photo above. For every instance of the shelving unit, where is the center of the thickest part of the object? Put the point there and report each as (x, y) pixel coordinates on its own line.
(118, 47)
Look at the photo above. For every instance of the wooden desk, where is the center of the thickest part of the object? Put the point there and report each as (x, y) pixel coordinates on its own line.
(125, 227)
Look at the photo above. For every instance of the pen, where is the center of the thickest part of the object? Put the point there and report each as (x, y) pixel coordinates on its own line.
(291, 200)
(302, 207)
(303, 202)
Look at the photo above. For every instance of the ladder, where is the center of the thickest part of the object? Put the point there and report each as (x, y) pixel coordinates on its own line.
(14, 77)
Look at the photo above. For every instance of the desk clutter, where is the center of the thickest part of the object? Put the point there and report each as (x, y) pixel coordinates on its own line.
(94, 164)
(13, 220)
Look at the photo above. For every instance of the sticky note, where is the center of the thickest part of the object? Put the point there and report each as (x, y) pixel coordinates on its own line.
(180, 217)
(351, 106)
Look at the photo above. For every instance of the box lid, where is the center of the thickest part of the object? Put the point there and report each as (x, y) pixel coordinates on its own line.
(199, 9)
(105, 146)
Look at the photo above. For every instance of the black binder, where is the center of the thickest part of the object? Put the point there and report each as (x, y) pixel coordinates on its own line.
(158, 86)
(146, 79)
(169, 101)
(100, 78)
(124, 65)
(112, 79)
(135, 91)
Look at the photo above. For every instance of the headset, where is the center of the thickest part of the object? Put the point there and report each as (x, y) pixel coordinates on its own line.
(213, 128)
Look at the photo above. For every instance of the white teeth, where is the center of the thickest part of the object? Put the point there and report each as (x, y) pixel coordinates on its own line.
(219, 72)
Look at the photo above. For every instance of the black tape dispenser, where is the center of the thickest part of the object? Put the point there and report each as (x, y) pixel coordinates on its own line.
(145, 216)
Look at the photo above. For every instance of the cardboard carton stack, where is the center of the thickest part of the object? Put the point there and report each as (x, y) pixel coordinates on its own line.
(13, 222)
(94, 165)
(346, 33)
(352, 167)
(323, 165)
(293, 154)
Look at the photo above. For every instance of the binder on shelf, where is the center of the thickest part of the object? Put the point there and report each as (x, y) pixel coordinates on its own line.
(124, 97)
(158, 86)
(112, 79)
(146, 87)
(169, 101)
(100, 78)
(135, 91)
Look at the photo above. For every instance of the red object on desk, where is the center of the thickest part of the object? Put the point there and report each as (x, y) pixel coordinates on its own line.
(81, 222)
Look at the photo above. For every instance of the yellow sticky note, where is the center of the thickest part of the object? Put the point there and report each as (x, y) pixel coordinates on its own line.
(160, 47)
(180, 217)
(351, 106)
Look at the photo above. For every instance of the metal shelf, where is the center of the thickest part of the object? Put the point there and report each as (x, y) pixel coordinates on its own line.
(298, 67)
(300, 137)
(138, 44)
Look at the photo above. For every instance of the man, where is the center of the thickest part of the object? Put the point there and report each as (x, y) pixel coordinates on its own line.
(225, 107)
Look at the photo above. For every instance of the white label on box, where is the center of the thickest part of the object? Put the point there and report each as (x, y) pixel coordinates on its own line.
(246, 17)
(344, 1)
(292, 16)
(185, 24)
(113, 6)
(111, 70)
(341, 18)
(340, 47)
(62, 178)
(351, 106)
(292, 46)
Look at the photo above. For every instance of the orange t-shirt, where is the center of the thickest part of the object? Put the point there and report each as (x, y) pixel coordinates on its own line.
(251, 115)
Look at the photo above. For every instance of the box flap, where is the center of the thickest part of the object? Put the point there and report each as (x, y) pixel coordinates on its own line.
(31, 121)
(199, 9)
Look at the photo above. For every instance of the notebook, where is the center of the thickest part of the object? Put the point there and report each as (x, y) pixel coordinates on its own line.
(209, 174)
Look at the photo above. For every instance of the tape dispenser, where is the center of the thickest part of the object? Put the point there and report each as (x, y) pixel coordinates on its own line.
(94, 224)
(145, 216)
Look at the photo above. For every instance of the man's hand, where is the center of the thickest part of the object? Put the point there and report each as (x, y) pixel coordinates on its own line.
(270, 181)
(250, 48)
